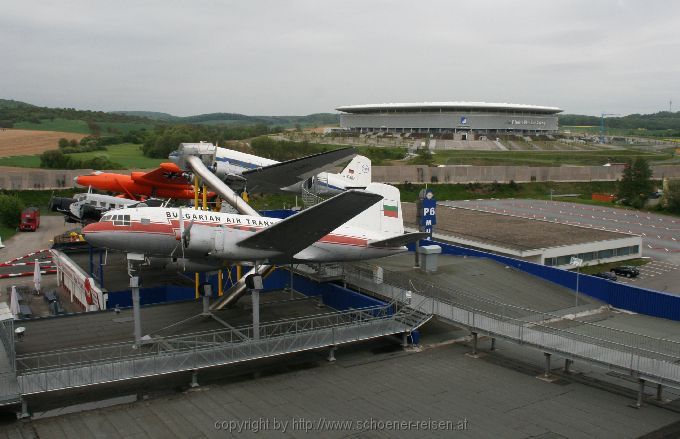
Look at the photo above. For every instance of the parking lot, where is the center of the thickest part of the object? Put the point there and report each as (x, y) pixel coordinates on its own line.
(660, 233)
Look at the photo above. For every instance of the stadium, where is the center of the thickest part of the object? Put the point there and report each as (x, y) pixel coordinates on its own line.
(458, 118)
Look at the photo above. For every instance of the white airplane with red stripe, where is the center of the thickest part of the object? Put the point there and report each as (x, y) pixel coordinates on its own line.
(354, 225)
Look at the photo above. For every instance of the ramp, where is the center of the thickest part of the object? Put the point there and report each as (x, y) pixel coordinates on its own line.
(71, 368)
(653, 359)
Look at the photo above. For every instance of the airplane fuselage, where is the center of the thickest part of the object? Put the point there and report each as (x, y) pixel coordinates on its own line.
(136, 185)
(156, 231)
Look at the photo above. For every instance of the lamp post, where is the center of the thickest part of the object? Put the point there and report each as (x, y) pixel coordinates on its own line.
(577, 262)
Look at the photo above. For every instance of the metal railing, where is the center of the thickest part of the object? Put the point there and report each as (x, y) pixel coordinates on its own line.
(107, 363)
(649, 357)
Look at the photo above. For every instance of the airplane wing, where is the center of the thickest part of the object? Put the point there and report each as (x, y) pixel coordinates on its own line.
(273, 178)
(299, 231)
(167, 173)
(398, 241)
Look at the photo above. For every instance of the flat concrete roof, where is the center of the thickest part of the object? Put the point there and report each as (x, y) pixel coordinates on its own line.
(491, 396)
(508, 231)
(455, 105)
(104, 327)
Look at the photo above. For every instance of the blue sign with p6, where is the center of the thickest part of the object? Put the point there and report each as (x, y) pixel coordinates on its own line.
(427, 213)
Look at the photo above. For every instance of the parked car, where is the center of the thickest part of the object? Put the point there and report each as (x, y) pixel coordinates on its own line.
(626, 270)
(606, 275)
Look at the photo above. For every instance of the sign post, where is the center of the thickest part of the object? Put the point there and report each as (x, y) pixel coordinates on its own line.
(426, 208)
(577, 262)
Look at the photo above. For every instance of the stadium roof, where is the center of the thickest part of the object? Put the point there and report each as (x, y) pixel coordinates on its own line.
(469, 106)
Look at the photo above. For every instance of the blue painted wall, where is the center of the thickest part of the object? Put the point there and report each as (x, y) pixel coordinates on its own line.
(631, 298)
(335, 296)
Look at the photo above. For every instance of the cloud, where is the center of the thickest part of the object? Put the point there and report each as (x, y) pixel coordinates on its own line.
(304, 56)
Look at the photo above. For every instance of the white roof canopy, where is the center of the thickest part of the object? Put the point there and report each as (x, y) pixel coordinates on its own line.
(446, 105)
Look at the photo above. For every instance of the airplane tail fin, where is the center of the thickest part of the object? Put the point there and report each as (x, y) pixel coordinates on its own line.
(384, 217)
(358, 171)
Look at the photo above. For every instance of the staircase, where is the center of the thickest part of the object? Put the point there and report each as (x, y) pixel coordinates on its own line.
(412, 318)
(311, 188)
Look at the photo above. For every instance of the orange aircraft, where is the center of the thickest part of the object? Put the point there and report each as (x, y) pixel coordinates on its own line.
(168, 181)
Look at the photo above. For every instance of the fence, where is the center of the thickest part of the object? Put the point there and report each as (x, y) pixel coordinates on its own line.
(628, 297)
(648, 357)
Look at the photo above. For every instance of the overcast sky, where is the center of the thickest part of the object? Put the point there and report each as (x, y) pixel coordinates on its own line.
(298, 57)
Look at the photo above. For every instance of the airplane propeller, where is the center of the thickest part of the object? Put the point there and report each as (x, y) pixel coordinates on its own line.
(184, 236)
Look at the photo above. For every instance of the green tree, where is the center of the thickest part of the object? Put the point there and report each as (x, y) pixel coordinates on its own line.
(642, 176)
(55, 159)
(10, 210)
(626, 186)
(672, 196)
(636, 183)
(63, 143)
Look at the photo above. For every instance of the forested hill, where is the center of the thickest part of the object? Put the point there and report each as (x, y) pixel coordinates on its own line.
(240, 119)
(663, 120)
(16, 114)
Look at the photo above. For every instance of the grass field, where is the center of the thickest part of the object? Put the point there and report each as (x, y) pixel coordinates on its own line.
(127, 154)
(68, 125)
(6, 233)
(21, 161)
(546, 158)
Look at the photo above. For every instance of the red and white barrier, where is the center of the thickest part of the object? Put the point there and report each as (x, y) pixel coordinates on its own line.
(11, 261)
(26, 273)
(20, 264)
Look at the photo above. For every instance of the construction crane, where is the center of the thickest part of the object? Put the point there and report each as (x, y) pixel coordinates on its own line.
(602, 124)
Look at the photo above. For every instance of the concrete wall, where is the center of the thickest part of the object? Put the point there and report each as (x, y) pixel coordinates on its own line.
(503, 174)
(26, 178)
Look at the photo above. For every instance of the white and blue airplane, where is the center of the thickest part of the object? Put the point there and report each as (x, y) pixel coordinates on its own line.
(255, 173)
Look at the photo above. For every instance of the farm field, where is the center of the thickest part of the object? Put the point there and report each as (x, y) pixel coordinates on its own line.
(28, 142)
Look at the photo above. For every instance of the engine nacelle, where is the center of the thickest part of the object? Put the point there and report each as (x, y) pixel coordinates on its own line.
(60, 204)
(226, 172)
(200, 240)
(89, 213)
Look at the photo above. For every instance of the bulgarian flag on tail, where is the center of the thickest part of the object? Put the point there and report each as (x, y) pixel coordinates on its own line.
(391, 211)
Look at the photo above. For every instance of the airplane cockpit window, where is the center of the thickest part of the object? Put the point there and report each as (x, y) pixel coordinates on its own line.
(121, 220)
(106, 218)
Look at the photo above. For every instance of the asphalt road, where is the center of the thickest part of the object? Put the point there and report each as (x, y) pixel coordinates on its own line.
(27, 242)
(660, 233)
